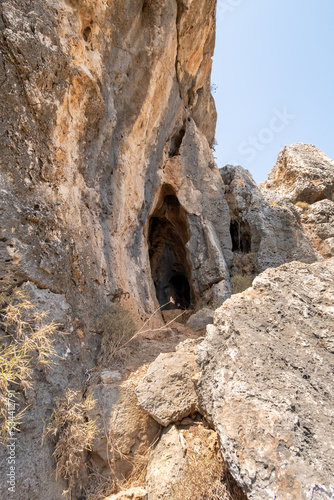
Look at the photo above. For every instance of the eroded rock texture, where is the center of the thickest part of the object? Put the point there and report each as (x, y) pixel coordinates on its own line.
(267, 383)
(269, 228)
(305, 176)
(106, 111)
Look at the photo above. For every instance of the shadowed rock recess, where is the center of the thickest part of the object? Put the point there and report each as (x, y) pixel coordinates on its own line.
(116, 221)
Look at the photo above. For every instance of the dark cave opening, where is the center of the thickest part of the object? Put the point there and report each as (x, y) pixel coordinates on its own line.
(241, 236)
(170, 267)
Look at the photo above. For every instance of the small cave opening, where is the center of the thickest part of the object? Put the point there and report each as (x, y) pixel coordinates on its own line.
(170, 266)
(241, 236)
(87, 34)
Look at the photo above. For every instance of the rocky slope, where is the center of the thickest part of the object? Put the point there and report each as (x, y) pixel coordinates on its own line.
(267, 382)
(110, 196)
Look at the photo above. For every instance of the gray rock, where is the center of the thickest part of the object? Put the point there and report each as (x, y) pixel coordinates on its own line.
(167, 392)
(302, 173)
(165, 464)
(201, 319)
(263, 226)
(267, 384)
(305, 176)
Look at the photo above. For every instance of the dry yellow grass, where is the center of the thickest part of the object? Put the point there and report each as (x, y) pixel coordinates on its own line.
(25, 342)
(205, 478)
(73, 433)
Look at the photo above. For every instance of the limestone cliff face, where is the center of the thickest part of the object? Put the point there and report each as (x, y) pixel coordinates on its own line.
(107, 122)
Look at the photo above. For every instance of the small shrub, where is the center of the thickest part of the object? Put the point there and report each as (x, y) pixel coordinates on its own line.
(73, 433)
(240, 282)
(117, 328)
(25, 343)
(302, 204)
(205, 478)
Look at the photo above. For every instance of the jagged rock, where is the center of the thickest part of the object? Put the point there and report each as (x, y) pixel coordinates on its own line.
(267, 383)
(302, 173)
(201, 319)
(270, 231)
(165, 464)
(130, 494)
(167, 392)
(305, 176)
(178, 448)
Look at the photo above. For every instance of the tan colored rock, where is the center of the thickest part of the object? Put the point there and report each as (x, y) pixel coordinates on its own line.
(124, 429)
(305, 175)
(302, 173)
(167, 392)
(165, 464)
(267, 382)
(169, 457)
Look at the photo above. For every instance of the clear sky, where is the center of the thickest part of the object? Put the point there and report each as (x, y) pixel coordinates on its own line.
(274, 72)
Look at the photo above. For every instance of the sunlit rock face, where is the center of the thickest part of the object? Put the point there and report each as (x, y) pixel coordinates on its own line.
(304, 175)
(267, 382)
(103, 105)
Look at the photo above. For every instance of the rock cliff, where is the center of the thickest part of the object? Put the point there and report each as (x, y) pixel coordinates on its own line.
(112, 206)
(107, 172)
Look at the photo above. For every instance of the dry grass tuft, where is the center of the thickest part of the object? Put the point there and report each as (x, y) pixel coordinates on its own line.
(205, 478)
(25, 343)
(302, 204)
(73, 433)
(117, 328)
(240, 282)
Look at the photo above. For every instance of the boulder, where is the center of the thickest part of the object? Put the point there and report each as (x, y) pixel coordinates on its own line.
(302, 173)
(124, 429)
(267, 383)
(165, 464)
(167, 392)
(304, 176)
(201, 319)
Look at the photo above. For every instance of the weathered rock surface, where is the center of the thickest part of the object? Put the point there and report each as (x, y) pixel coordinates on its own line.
(305, 176)
(302, 173)
(124, 429)
(269, 229)
(169, 457)
(201, 319)
(167, 392)
(107, 117)
(267, 384)
(165, 464)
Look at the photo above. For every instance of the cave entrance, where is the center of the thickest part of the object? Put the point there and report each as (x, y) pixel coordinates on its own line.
(170, 266)
(241, 236)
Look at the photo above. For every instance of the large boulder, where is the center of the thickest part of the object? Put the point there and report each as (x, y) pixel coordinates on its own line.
(167, 392)
(302, 173)
(304, 176)
(267, 383)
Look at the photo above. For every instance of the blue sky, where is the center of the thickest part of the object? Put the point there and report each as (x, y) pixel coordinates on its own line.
(274, 72)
